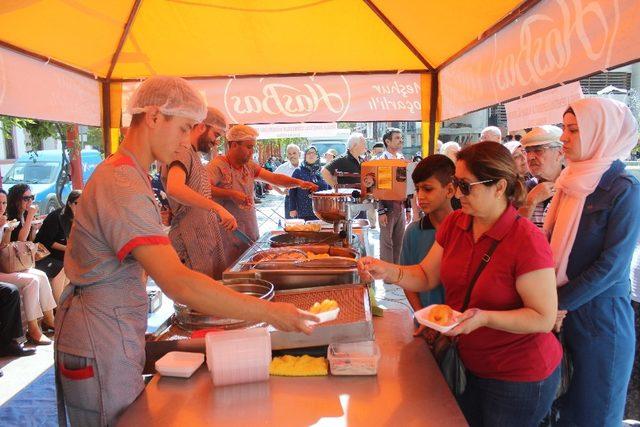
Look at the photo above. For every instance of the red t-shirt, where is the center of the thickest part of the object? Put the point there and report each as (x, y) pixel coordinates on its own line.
(489, 353)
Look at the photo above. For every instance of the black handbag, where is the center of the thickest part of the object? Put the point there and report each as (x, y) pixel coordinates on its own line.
(567, 367)
(445, 349)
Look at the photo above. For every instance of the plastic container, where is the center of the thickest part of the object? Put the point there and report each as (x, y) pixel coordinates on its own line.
(238, 356)
(179, 364)
(422, 316)
(356, 358)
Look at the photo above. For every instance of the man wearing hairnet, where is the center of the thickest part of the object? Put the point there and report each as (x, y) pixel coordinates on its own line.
(102, 316)
(195, 233)
(233, 177)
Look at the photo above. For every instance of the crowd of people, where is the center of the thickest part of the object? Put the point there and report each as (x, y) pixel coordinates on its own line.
(552, 215)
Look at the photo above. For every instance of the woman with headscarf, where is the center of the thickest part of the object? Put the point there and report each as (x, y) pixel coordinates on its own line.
(594, 226)
(308, 171)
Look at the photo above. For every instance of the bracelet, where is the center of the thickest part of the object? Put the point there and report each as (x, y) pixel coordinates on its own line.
(400, 275)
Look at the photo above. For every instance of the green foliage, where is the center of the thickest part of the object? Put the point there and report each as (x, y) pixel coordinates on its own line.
(94, 138)
(283, 142)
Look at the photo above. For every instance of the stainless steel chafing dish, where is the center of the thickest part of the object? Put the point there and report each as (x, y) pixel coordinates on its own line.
(292, 275)
(190, 319)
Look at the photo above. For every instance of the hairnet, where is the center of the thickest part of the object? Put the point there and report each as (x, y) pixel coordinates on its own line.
(216, 119)
(242, 133)
(173, 96)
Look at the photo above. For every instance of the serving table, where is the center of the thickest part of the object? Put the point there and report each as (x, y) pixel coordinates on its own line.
(408, 391)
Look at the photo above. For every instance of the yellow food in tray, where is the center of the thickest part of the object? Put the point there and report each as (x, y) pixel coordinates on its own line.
(298, 366)
(326, 305)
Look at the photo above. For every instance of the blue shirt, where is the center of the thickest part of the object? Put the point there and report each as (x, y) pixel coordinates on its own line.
(607, 235)
(300, 199)
(418, 239)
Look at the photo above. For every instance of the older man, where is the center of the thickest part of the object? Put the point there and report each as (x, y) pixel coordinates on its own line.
(232, 177)
(545, 158)
(491, 133)
(349, 162)
(287, 168)
(393, 215)
(195, 233)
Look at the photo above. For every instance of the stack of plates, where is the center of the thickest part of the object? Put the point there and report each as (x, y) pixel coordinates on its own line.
(239, 356)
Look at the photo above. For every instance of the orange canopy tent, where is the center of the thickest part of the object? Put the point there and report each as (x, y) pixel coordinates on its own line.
(453, 45)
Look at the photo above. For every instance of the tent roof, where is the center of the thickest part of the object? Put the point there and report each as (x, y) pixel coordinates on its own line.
(130, 39)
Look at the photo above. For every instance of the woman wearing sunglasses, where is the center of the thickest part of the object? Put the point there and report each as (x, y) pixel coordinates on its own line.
(33, 283)
(309, 170)
(20, 207)
(53, 235)
(504, 337)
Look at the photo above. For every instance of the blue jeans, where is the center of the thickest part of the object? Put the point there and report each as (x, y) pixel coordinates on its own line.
(496, 403)
(601, 338)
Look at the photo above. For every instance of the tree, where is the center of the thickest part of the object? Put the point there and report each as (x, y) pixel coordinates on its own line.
(38, 131)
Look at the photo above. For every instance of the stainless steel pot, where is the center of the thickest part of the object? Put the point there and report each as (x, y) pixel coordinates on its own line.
(331, 205)
(190, 319)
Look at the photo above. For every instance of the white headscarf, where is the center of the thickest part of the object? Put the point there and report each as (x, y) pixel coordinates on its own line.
(608, 132)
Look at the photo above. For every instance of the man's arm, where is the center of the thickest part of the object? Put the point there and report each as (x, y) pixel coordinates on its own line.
(284, 180)
(208, 296)
(179, 191)
(328, 177)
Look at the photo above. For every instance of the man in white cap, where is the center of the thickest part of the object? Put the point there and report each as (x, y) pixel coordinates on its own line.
(116, 236)
(491, 133)
(232, 177)
(545, 159)
(287, 168)
(195, 227)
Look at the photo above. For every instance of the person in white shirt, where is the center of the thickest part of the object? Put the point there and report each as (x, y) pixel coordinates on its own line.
(390, 212)
(287, 168)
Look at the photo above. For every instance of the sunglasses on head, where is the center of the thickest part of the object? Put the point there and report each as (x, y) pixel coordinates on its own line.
(465, 187)
(28, 198)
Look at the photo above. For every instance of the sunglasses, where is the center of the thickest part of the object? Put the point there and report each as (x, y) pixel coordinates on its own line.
(465, 187)
(28, 198)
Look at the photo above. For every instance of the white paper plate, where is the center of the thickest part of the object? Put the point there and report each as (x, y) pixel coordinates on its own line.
(326, 316)
(422, 318)
(179, 364)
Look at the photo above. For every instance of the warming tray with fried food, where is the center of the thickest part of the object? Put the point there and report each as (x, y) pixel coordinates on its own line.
(299, 267)
(354, 322)
(319, 256)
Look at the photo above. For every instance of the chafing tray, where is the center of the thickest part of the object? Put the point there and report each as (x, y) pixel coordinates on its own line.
(288, 275)
(354, 323)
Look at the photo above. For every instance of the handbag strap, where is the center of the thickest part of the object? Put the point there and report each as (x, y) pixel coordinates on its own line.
(485, 260)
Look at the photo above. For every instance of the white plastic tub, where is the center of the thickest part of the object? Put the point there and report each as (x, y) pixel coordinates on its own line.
(356, 358)
(238, 356)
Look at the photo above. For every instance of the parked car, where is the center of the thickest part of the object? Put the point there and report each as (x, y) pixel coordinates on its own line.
(337, 142)
(41, 169)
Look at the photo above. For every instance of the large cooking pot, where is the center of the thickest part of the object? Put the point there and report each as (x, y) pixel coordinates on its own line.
(331, 205)
(190, 319)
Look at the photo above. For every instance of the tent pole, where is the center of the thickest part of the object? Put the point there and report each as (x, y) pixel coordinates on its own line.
(398, 34)
(106, 117)
(433, 112)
